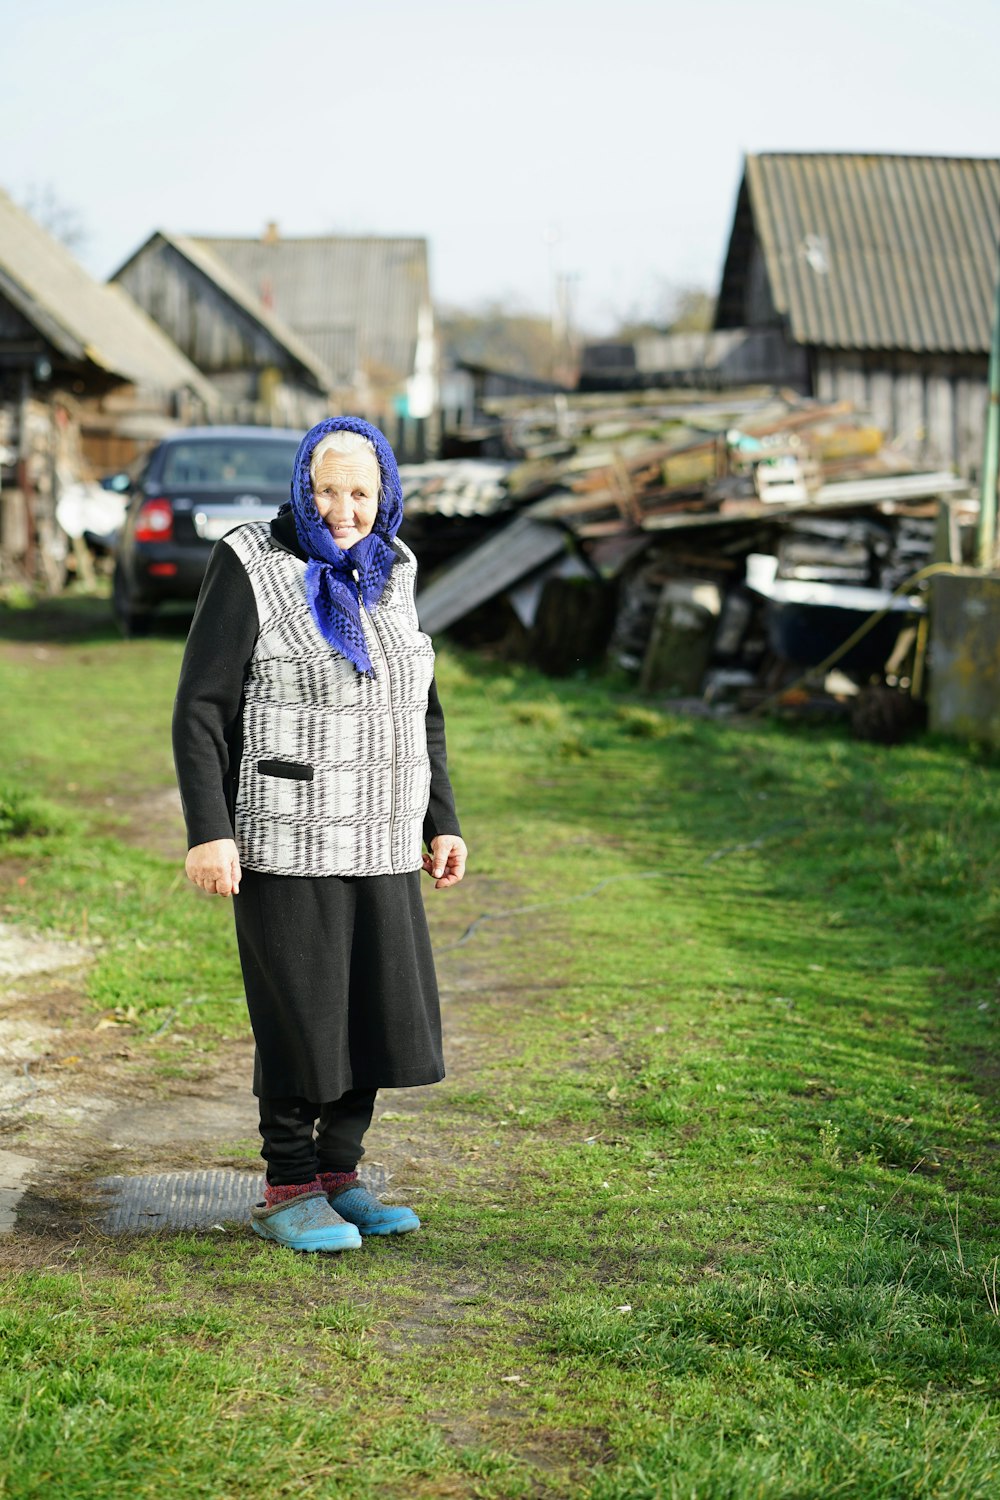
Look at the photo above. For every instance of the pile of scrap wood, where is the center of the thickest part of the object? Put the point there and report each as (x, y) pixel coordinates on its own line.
(662, 506)
(785, 453)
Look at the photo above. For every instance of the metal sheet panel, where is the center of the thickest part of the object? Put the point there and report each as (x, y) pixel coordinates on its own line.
(177, 1200)
(965, 641)
(455, 487)
(487, 570)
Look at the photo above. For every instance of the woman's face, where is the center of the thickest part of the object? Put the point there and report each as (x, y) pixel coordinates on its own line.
(345, 489)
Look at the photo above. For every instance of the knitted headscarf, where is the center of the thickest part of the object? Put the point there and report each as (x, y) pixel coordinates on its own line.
(331, 588)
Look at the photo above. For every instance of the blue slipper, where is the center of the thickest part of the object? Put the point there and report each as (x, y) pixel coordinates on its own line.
(304, 1223)
(358, 1206)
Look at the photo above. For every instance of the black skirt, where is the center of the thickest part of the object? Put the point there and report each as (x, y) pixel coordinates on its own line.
(340, 983)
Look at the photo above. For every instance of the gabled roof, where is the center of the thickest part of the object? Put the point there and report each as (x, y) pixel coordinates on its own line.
(869, 252)
(199, 255)
(83, 320)
(355, 301)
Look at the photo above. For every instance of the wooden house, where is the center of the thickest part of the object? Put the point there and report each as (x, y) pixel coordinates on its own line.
(882, 271)
(353, 314)
(87, 380)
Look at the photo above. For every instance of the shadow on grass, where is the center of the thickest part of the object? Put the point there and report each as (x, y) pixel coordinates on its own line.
(81, 620)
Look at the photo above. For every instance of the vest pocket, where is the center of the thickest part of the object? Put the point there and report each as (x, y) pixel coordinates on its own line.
(288, 770)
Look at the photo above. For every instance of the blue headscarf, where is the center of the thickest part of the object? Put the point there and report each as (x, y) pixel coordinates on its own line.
(331, 588)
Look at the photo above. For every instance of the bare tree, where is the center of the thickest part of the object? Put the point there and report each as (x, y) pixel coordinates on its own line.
(693, 310)
(62, 220)
(500, 335)
(669, 308)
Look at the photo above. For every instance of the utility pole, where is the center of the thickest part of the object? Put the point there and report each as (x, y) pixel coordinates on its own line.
(563, 329)
(991, 449)
(551, 240)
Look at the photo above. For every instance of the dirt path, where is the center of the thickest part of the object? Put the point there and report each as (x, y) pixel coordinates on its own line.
(82, 1096)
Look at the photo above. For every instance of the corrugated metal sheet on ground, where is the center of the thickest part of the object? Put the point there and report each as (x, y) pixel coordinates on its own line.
(455, 487)
(870, 252)
(487, 570)
(178, 1200)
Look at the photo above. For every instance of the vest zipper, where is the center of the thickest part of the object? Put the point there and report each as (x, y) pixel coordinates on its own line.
(392, 720)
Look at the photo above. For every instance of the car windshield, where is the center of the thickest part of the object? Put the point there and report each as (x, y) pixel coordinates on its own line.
(225, 463)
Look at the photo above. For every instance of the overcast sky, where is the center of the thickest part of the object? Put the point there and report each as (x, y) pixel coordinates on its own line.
(603, 141)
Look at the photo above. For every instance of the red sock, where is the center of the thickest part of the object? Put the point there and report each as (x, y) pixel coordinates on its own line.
(283, 1191)
(336, 1182)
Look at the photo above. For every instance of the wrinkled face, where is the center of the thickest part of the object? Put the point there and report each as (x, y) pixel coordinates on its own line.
(345, 489)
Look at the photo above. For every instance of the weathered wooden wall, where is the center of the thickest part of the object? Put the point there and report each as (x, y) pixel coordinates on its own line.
(214, 333)
(932, 406)
(40, 442)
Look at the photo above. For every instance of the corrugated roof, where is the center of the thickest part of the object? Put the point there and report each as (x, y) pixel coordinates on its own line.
(356, 302)
(83, 319)
(455, 487)
(870, 252)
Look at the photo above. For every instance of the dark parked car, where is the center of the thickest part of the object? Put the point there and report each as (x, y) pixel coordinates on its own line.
(197, 485)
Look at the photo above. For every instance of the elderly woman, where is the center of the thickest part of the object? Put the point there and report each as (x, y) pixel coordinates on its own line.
(310, 752)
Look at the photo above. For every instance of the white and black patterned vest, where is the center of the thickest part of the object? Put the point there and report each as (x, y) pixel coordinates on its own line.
(335, 776)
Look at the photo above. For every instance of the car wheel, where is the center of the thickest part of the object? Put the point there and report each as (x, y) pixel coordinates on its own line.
(131, 622)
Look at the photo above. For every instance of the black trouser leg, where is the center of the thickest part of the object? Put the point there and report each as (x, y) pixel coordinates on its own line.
(342, 1125)
(289, 1145)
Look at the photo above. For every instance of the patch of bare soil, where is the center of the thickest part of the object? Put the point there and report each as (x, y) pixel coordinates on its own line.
(84, 1096)
(149, 820)
(153, 821)
(551, 1449)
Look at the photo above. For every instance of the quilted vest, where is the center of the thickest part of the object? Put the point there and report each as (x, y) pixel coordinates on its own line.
(335, 776)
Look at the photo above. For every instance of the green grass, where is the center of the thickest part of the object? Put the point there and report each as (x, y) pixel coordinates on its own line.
(718, 1210)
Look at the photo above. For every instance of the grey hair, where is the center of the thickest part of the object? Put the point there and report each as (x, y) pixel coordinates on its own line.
(343, 441)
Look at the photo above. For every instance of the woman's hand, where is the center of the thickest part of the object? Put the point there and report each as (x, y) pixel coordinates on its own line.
(215, 867)
(446, 861)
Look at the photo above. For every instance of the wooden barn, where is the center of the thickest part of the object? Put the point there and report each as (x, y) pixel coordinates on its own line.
(264, 372)
(882, 270)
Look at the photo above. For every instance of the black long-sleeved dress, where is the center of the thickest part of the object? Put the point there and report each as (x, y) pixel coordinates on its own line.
(338, 970)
